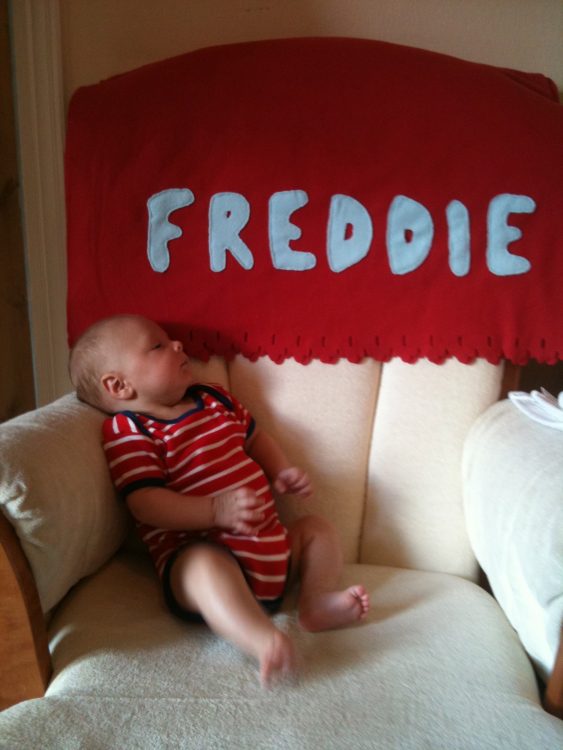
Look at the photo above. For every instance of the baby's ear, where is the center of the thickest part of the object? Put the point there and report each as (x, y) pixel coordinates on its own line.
(116, 386)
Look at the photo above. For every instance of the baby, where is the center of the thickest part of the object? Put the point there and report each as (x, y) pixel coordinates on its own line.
(196, 472)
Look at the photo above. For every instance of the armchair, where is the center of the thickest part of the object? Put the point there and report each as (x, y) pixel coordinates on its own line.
(436, 664)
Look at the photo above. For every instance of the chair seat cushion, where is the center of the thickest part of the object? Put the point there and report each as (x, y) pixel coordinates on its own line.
(434, 665)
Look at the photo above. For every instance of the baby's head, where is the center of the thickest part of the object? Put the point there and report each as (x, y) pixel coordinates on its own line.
(90, 357)
(128, 357)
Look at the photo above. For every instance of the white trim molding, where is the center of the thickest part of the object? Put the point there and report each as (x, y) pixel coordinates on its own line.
(37, 60)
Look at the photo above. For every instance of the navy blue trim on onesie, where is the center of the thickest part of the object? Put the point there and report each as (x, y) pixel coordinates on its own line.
(194, 389)
(140, 484)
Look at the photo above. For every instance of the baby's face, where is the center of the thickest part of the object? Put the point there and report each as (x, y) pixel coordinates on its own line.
(156, 367)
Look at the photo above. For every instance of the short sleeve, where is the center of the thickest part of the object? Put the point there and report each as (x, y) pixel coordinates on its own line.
(240, 412)
(134, 457)
(243, 416)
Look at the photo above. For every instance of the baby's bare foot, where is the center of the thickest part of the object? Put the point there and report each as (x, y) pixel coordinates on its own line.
(277, 659)
(336, 609)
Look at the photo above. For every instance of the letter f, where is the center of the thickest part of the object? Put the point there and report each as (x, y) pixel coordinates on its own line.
(161, 231)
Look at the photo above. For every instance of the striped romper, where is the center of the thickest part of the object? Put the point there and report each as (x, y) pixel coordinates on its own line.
(200, 454)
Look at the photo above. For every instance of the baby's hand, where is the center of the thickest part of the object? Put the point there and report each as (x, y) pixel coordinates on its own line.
(239, 511)
(293, 481)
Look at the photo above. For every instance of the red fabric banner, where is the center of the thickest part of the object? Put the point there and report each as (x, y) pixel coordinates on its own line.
(321, 198)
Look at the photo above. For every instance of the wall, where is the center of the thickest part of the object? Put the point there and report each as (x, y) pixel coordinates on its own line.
(105, 37)
(100, 38)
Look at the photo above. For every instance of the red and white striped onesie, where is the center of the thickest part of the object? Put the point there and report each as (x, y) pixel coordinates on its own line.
(200, 454)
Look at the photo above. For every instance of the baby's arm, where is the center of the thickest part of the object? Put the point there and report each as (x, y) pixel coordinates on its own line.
(238, 511)
(284, 477)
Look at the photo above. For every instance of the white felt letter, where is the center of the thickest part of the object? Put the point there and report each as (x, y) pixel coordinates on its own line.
(410, 231)
(228, 215)
(161, 231)
(282, 231)
(343, 251)
(459, 239)
(500, 234)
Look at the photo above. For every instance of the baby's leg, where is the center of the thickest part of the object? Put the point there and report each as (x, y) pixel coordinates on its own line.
(206, 579)
(316, 551)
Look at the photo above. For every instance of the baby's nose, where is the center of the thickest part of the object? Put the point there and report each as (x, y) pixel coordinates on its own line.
(177, 346)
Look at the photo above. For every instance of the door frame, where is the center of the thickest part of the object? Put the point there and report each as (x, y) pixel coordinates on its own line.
(40, 120)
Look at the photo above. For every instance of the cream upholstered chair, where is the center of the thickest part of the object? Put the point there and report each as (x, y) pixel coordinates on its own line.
(411, 462)
(436, 664)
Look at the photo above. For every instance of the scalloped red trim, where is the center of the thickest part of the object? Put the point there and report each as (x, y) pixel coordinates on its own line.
(279, 348)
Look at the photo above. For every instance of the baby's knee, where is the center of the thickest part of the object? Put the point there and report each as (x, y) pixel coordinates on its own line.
(202, 557)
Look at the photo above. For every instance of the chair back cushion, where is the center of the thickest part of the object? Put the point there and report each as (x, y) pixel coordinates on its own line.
(56, 492)
(383, 444)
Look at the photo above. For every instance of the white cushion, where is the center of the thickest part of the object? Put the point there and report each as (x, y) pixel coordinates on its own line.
(435, 665)
(414, 507)
(397, 429)
(56, 492)
(513, 472)
(322, 415)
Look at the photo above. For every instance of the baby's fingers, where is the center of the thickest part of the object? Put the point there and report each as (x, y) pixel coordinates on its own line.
(248, 523)
(301, 482)
(247, 500)
(303, 490)
(285, 480)
(249, 513)
(293, 480)
(254, 515)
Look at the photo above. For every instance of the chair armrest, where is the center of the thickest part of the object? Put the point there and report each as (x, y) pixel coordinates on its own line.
(554, 691)
(25, 662)
(513, 499)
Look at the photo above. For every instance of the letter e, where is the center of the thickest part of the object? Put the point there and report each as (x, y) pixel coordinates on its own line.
(500, 234)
